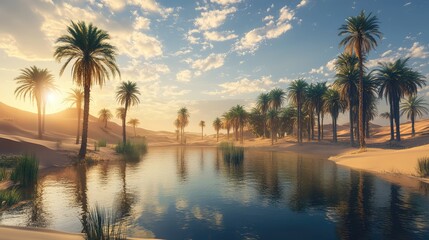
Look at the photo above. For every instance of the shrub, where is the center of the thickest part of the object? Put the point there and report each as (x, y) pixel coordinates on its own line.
(26, 170)
(100, 224)
(102, 143)
(3, 174)
(423, 167)
(10, 197)
(231, 153)
(130, 150)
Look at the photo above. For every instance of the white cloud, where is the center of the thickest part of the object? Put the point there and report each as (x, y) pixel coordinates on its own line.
(317, 70)
(145, 5)
(213, 61)
(225, 2)
(250, 42)
(144, 72)
(115, 5)
(213, 19)
(141, 23)
(138, 44)
(302, 3)
(243, 86)
(407, 4)
(417, 51)
(173, 91)
(219, 36)
(182, 51)
(184, 76)
(386, 53)
(285, 80)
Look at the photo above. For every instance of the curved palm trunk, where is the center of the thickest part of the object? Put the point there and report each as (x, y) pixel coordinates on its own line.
(413, 131)
(392, 131)
(79, 112)
(397, 120)
(84, 142)
(39, 119)
(360, 114)
(352, 140)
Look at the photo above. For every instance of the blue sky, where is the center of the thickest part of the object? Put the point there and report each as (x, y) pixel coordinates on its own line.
(206, 55)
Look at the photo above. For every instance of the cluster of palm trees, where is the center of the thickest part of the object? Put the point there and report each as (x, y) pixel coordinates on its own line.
(181, 122)
(93, 61)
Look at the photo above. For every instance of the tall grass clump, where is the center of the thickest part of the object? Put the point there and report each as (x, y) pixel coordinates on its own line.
(131, 150)
(423, 167)
(3, 174)
(9, 197)
(101, 224)
(231, 153)
(102, 143)
(26, 171)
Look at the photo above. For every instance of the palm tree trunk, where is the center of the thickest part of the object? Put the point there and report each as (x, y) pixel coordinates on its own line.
(39, 119)
(334, 130)
(217, 136)
(227, 133)
(392, 131)
(321, 126)
(44, 114)
(299, 121)
(352, 141)
(397, 120)
(241, 133)
(312, 125)
(360, 114)
(265, 125)
(202, 132)
(413, 131)
(272, 132)
(318, 126)
(79, 112)
(135, 134)
(367, 129)
(84, 142)
(124, 130)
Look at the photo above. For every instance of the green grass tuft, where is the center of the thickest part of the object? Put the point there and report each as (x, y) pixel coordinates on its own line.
(102, 143)
(10, 197)
(132, 150)
(3, 174)
(100, 223)
(423, 167)
(26, 171)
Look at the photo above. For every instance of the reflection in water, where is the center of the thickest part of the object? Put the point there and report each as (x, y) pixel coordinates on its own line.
(180, 193)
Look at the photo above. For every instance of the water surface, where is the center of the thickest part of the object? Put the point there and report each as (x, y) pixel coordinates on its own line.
(191, 193)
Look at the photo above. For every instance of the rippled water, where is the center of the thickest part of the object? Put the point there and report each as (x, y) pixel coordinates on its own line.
(191, 193)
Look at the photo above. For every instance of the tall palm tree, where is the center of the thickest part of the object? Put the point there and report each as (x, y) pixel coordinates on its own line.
(396, 80)
(414, 107)
(134, 122)
(263, 104)
(360, 36)
(94, 59)
(120, 113)
(105, 115)
(277, 97)
(127, 95)
(334, 105)
(227, 122)
(75, 97)
(202, 124)
(311, 100)
(35, 82)
(183, 116)
(296, 94)
(217, 125)
(240, 117)
(177, 125)
(346, 82)
(272, 122)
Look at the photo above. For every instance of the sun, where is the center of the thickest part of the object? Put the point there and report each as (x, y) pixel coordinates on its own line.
(51, 97)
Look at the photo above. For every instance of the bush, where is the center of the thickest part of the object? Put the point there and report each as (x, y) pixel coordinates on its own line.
(100, 224)
(26, 170)
(231, 153)
(102, 143)
(9, 197)
(3, 174)
(130, 150)
(423, 167)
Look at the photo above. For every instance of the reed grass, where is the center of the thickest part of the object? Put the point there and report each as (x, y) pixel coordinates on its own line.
(10, 197)
(26, 171)
(231, 153)
(423, 167)
(3, 174)
(131, 150)
(101, 224)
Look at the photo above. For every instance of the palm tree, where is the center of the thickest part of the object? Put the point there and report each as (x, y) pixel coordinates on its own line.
(414, 107)
(385, 115)
(217, 125)
(134, 122)
(75, 97)
(311, 100)
(120, 113)
(346, 80)
(105, 115)
(202, 124)
(296, 94)
(35, 82)
(396, 80)
(262, 104)
(334, 105)
(177, 125)
(272, 122)
(277, 97)
(183, 116)
(360, 35)
(94, 60)
(239, 115)
(227, 122)
(127, 95)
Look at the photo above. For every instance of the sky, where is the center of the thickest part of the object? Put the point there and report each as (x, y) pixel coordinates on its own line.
(205, 55)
